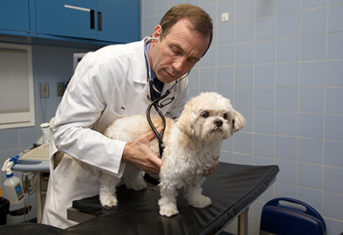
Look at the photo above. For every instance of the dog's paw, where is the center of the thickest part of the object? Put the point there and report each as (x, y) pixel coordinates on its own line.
(168, 210)
(136, 185)
(167, 206)
(108, 200)
(200, 201)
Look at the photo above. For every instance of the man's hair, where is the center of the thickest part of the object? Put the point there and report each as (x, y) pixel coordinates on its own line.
(199, 19)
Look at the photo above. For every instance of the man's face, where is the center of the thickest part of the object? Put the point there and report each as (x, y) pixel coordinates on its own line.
(175, 53)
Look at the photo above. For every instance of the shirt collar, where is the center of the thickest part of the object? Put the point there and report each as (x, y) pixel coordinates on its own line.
(147, 47)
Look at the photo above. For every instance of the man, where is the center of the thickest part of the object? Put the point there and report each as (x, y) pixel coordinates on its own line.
(110, 83)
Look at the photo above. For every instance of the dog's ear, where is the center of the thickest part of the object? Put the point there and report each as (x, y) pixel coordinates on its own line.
(238, 121)
(186, 120)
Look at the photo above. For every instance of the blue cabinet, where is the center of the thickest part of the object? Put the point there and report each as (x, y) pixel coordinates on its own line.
(15, 17)
(104, 20)
(118, 20)
(121, 20)
(66, 18)
(101, 21)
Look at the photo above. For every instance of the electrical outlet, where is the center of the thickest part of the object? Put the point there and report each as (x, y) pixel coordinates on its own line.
(225, 16)
(44, 90)
(60, 88)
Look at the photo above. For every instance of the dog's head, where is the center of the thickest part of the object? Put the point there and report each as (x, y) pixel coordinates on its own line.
(210, 116)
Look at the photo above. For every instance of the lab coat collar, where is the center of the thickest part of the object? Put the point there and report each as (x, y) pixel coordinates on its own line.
(142, 79)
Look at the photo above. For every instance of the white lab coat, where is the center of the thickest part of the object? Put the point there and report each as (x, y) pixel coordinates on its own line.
(107, 84)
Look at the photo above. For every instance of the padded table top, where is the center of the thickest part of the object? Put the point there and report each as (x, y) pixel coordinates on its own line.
(231, 187)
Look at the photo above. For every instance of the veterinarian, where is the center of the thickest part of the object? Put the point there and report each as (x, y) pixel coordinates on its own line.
(113, 82)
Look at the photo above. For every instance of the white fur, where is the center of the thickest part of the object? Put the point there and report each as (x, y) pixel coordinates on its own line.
(192, 145)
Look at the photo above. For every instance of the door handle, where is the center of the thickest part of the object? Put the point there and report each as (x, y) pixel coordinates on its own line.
(99, 21)
(92, 19)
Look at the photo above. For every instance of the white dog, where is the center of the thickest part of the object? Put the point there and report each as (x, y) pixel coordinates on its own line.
(192, 144)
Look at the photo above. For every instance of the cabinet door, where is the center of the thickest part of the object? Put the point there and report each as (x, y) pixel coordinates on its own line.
(69, 18)
(14, 16)
(118, 21)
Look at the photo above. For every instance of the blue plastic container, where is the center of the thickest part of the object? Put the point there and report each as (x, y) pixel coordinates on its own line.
(291, 216)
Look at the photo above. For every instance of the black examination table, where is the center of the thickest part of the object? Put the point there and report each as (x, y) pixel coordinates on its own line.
(232, 188)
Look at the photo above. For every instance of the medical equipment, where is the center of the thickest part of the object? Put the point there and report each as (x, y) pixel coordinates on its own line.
(34, 165)
(157, 103)
(12, 185)
(45, 128)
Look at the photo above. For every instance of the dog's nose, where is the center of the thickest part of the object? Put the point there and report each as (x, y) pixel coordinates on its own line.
(218, 123)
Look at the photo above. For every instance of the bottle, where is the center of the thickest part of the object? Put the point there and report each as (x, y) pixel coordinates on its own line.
(45, 128)
(14, 189)
(12, 184)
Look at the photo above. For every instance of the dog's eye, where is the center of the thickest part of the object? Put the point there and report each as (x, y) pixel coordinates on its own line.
(225, 116)
(205, 114)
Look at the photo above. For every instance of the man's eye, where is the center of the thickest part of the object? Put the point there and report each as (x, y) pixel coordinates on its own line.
(193, 60)
(205, 114)
(175, 50)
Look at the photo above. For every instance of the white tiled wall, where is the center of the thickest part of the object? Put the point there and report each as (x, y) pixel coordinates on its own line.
(281, 63)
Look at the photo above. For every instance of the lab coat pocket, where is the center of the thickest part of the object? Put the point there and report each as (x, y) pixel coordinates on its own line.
(116, 113)
(62, 161)
(107, 117)
(119, 111)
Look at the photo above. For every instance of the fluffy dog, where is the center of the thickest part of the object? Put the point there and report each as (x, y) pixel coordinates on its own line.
(192, 144)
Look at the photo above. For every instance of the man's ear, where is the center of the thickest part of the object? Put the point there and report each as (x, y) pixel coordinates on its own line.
(157, 32)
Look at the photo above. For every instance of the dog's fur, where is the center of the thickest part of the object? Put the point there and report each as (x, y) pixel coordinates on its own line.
(192, 145)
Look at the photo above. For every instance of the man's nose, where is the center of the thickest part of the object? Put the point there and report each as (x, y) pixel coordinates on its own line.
(179, 64)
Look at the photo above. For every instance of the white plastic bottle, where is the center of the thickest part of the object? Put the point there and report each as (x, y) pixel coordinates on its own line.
(12, 184)
(14, 189)
(45, 128)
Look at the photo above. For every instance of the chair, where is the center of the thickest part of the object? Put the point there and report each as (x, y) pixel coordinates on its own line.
(290, 216)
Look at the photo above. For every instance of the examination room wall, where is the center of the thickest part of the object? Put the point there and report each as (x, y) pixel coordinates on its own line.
(50, 65)
(281, 64)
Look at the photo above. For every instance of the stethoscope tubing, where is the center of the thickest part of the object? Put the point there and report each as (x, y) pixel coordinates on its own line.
(155, 102)
(159, 135)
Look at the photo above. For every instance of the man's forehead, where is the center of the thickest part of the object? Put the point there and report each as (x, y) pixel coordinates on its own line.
(183, 36)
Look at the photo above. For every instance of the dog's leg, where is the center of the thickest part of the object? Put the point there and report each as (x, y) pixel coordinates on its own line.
(196, 198)
(133, 178)
(107, 193)
(167, 202)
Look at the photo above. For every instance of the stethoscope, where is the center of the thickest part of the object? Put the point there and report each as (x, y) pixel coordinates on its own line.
(157, 103)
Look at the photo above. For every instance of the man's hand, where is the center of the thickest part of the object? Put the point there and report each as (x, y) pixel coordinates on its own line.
(138, 153)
